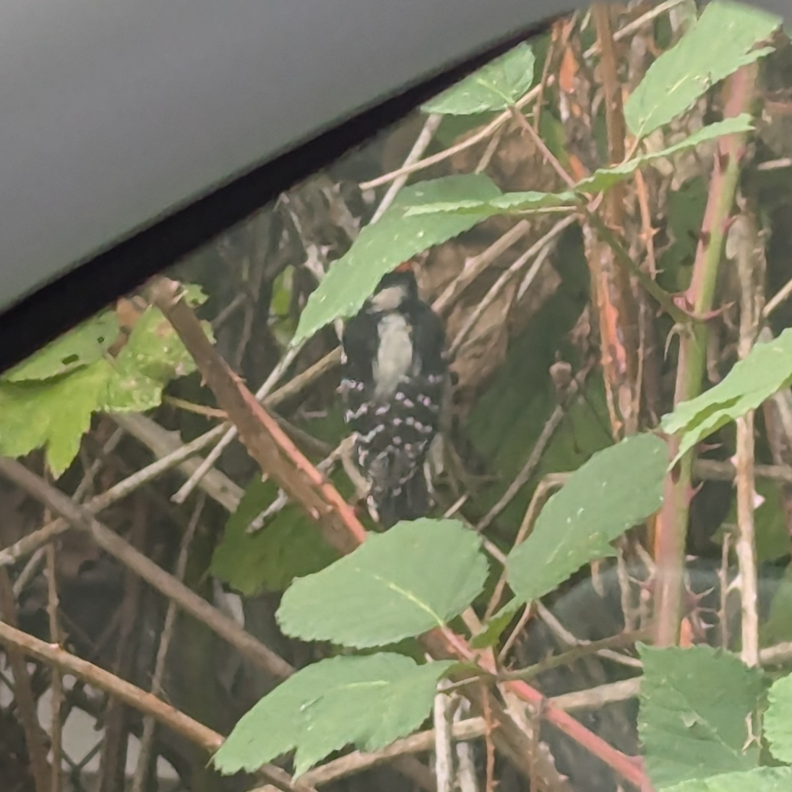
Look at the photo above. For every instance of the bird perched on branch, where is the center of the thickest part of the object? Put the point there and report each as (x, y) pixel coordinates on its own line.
(394, 373)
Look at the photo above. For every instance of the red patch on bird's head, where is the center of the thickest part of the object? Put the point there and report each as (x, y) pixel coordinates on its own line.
(405, 266)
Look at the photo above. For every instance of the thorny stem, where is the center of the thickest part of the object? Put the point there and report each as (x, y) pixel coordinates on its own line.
(673, 519)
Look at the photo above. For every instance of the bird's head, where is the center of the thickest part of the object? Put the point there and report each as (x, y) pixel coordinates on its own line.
(394, 290)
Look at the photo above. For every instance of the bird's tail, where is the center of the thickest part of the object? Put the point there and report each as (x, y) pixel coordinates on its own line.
(408, 502)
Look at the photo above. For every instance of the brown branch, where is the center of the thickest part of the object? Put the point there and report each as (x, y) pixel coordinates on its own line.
(583, 649)
(266, 442)
(124, 691)
(278, 458)
(133, 696)
(154, 575)
(56, 729)
(23, 694)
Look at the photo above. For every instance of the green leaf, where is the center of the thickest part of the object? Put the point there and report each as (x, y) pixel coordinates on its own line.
(367, 702)
(155, 349)
(80, 347)
(272, 557)
(53, 414)
(750, 382)
(777, 628)
(778, 719)
(723, 40)
(507, 203)
(695, 708)
(602, 179)
(496, 86)
(616, 489)
(417, 576)
(493, 629)
(761, 779)
(49, 400)
(384, 245)
(605, 178)
(152, 357)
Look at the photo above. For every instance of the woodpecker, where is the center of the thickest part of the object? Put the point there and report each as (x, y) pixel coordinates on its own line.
(394, 373)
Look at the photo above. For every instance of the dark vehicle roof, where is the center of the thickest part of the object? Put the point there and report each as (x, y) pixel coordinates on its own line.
(116, 116)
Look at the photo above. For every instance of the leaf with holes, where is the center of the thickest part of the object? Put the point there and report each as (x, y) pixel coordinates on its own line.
(417, 576)
(696, 704)
(616, 489)
(766, 370)
(725, 38)
(50, 400)
(384, 245)
(496, 86)
(367, 702)
(778, 719)
(80, 347)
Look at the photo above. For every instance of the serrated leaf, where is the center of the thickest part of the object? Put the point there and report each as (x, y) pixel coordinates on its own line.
(381, 247)
(507, 203)
(605, 178)
(761, 779)
(272, 557)
(616, 489)
(496, 86)
(53, 414)
(80, 347)
(695, 707)
(367, 702)
(767, 369)
(778, 719)
(417, 576)
(723, 40)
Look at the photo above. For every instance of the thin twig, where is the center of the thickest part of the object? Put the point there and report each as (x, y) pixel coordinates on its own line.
(549, 429)
(476, 265)
(27, 544)
(266, 442)
(482, 134)
(636, 24)
(597, 697)
(572, 640)
(422, 142)
(154, 575)
(583, 649)
(442, 714)
(358, 761)
(538, 499)
(548, 155)
(540, 251)
(23, 693)
(56, 699)
(184, 492)
(149, 723)
(780, 296)
(713, 470)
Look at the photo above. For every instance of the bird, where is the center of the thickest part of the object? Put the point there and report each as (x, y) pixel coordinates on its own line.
(394, 373)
